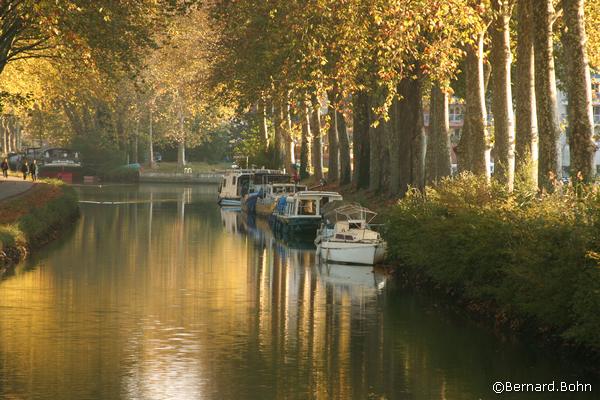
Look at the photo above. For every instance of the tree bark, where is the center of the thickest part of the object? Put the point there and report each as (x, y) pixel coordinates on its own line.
(579, 92)
(502, 107)
(332, 136)
(545, 89)
(317, 144)
(526, 129)
(360, 137)
(344, 149)
(477, 146)
(438, 160)
(305, 146)
(411, 135)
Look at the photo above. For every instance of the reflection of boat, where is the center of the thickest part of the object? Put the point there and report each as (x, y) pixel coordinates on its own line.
(301, 214)
(350, 240)
(239, 183)
(352, 276)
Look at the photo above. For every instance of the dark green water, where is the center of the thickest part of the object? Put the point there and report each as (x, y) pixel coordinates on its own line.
(167, 297)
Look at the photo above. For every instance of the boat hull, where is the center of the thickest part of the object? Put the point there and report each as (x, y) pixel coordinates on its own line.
(352, 252)
(224, 201)
(298, 226)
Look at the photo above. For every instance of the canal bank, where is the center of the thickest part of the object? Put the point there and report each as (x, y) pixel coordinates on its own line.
(32, 215)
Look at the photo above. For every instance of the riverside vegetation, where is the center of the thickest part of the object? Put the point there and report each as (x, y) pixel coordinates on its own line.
(533, 259)
(32, 219)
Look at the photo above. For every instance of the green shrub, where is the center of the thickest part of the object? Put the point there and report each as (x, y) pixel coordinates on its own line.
(40, 221)
(533, 256)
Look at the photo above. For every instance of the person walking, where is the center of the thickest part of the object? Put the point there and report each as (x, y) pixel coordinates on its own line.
(33, 169)
(25, 169)
(4, 167)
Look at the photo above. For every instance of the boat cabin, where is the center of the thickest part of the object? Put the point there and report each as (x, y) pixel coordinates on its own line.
(308, 203)
(238, 183)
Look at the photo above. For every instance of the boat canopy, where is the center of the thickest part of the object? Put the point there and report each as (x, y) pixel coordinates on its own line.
(342, 211)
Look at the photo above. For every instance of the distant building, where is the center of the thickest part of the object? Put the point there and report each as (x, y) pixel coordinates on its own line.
(456, 110)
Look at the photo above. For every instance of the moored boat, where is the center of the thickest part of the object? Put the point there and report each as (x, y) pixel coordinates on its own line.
(301, 213)
(346, 237)
(267, 199)
(60, 163)
(239, 183)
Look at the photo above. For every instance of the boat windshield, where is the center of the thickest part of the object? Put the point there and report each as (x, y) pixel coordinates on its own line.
(307, 207)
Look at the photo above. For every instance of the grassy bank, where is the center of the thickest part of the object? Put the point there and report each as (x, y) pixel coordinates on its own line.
(530, 261)
(33, 219)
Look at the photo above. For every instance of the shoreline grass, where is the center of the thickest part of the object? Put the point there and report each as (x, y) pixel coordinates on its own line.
(32, 219)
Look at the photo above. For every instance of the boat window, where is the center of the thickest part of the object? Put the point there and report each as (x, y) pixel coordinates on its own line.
(307, 207)
(233, 180)
(355, 225)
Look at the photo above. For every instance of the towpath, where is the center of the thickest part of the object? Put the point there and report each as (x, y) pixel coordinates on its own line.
(12, 186)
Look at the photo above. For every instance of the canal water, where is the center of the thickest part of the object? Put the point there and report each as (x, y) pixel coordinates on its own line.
(156, 293)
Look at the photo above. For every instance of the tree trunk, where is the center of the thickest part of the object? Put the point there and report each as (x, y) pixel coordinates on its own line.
(332, 135)
(477, 146)
(393, 146)
(263, 126)
(13, 134)
(579, 92)
(438, 161)
(317, 144)
(305, 146)
(344, 150)
(150, 140)
(136, 135)
(411, 135)
(360, 137)
(290, 157)
(181, 142)
(502, 107)
(181, 162)
(526, 115)
(279, 142)
(545, 90)
(18, 132)
(376, 148)
(4, 136)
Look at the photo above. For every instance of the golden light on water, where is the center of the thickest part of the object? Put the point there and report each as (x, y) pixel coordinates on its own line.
(171, 298)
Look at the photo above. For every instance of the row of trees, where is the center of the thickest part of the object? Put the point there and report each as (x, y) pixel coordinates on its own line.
(375, 63)
(109, 78)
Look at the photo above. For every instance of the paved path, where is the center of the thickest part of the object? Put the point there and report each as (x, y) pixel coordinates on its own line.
(13, 186)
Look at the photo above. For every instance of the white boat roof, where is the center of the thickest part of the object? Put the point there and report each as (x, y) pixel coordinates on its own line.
(318, 194)
(254, 171)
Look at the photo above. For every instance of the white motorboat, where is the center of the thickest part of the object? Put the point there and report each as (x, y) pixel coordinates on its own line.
(345, 237)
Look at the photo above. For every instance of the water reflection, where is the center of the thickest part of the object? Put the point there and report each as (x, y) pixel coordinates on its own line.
(164, 296)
